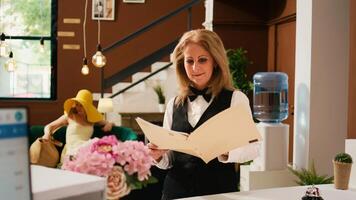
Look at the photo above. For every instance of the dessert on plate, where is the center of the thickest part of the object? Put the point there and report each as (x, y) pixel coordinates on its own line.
(312, 193)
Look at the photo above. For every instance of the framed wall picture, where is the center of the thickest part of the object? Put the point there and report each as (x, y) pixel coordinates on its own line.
(134, 1)
(103, 10)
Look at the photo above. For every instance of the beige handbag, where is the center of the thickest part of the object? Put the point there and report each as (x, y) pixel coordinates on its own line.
(44, 152)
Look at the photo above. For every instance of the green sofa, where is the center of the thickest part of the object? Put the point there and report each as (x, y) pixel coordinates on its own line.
(152, 191)
(122, 134)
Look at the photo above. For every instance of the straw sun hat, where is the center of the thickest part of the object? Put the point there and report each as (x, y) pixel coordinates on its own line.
(85, 98)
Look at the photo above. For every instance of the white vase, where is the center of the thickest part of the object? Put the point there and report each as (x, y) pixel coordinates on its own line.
(161, 107)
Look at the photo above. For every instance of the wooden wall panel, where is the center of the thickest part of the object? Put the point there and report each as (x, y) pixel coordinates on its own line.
(279, 9)
(128, 18)
(240, 10)
(352, 73)
(251, 38)
(281, 54)
(268, 35)
(242, 24)
(285, 62)
(271, 57)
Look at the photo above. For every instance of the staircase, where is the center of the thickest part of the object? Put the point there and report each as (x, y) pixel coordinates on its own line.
(142, 98)
(139, 96)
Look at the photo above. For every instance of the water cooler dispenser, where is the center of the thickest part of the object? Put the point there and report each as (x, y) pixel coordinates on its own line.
(270, 108)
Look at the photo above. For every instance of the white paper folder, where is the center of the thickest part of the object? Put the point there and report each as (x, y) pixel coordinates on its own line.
(228, 130)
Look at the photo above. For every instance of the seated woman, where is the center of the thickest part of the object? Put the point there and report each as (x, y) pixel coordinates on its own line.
(80, 115)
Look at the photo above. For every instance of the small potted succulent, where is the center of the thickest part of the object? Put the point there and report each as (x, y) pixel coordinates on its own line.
(342, 169)
(161, 98)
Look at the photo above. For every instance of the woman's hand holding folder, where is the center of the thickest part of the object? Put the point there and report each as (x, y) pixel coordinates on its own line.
(155, 152)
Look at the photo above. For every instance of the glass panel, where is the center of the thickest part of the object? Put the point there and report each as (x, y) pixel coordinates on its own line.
(32, 77)
(25, 18)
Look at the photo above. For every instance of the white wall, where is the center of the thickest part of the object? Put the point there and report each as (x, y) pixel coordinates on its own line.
(209, 14)
(321, 81)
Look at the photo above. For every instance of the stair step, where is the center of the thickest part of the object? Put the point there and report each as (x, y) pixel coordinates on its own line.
(139, 75)
(158, 65)
(97, 96)
(163, 74)
(119, 86)
(145, 101)
(136, 77)
(142, 98)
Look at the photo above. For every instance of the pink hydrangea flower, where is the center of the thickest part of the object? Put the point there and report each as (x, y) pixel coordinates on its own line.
(135, 158)
(99, 156)
(89, 162)
(104, 145)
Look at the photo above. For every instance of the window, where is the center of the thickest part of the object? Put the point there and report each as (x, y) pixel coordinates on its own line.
(25, 23)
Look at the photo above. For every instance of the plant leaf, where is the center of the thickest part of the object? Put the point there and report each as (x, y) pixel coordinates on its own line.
(310, 177)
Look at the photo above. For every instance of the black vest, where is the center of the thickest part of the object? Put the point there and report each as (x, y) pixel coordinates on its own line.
(190, 176)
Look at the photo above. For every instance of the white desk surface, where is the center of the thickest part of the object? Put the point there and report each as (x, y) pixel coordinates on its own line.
(328, 192)
(49, 183)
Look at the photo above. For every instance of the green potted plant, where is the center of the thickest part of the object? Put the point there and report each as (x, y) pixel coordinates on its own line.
(342, 170)
(310, 177)
(238, 62)
(161, 97)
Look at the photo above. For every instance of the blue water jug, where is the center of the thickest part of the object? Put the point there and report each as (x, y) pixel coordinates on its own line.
(270, 96)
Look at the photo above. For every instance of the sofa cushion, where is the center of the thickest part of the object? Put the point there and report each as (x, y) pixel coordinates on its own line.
(122, 134)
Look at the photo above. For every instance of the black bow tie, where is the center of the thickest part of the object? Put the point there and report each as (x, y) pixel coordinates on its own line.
(196, 93)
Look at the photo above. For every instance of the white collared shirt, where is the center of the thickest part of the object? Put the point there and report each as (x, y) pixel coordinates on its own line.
(195, 110)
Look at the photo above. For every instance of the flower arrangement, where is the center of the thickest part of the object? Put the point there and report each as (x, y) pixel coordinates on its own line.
(125, 164)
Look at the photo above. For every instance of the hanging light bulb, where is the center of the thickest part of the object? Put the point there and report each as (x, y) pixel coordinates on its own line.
(42, 46)
(10, 64)
(99, 60)
(85, 68)
(3, 46)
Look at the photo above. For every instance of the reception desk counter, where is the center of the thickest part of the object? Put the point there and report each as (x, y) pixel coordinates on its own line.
(48, 183)
(328, 192)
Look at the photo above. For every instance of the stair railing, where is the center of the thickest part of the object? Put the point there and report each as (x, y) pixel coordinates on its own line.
(141, 80)
(136, 67)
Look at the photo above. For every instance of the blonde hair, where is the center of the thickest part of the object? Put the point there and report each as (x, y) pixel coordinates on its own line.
(212, 43)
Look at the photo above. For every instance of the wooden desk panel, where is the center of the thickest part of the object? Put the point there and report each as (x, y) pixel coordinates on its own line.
(128, 120)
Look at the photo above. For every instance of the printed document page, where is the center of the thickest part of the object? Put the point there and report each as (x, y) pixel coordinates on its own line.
(228, 130)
